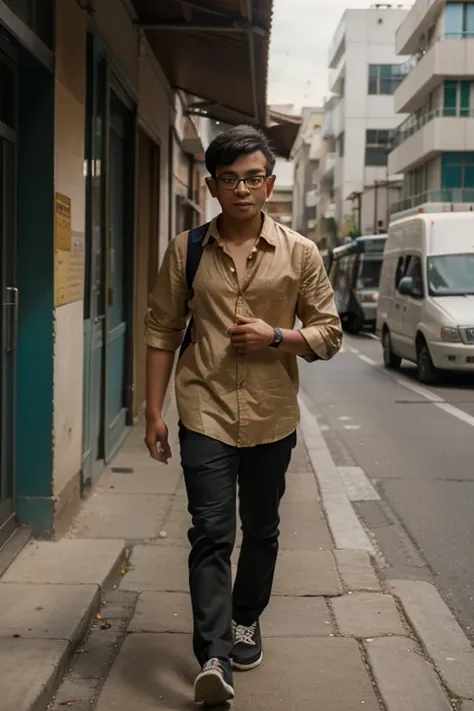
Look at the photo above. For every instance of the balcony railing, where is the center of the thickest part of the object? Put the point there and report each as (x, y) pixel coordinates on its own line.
(451, 195)
(414, 60)
(412, 125)
(329, 164)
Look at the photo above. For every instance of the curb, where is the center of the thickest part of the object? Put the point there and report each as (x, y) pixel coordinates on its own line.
(347, 531)
(433, 624)
(50, 653)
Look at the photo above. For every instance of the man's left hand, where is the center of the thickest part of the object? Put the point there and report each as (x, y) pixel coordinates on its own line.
(250, 334)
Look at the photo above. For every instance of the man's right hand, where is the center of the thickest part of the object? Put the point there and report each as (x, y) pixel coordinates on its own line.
(156, 439)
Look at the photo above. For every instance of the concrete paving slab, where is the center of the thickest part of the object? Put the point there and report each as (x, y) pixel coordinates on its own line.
(29, 672)
(300, 462)
(157, 671)
(367, 615)
(405, 679)
(467, 706)
(163, 612)
(303, 527)
(301, 487)
(47, 611)
(356, 571)
(67, 562)
(129, 516)
(160, 568)
(297, 617)
(440, 634)
(150, 479)
(301, 573)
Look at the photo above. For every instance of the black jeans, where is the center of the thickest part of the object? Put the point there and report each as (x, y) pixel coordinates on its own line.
(211, 471)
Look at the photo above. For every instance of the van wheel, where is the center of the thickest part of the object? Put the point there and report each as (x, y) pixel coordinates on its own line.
(426, 370)
(390, 360)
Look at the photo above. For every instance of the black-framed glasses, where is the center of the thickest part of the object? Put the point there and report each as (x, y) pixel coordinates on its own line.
(230, 182)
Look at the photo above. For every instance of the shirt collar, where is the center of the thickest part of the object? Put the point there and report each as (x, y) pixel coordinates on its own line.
(268, 231)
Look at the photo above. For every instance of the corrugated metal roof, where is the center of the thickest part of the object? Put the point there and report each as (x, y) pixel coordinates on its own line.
(214, 49)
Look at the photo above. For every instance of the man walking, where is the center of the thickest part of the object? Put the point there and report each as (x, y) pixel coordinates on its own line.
(244, 280)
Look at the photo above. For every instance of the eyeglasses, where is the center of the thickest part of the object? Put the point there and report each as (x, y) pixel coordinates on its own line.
(229, 182)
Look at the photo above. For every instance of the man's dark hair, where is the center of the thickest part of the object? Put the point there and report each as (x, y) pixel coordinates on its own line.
(238, 141)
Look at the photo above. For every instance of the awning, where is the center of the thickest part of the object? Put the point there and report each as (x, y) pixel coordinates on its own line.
(216, 50)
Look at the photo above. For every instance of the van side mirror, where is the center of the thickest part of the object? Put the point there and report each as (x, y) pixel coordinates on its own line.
(405, 287)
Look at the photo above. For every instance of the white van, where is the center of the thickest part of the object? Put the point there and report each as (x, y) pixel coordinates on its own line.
(426, 297)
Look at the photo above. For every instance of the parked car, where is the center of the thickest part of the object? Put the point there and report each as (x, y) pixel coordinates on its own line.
(354, 274)
(426, 302)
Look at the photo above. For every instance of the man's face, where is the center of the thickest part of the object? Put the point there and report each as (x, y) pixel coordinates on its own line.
(239, 199)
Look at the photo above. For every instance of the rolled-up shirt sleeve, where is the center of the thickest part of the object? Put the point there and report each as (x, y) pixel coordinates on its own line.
(316, 309)
(165, 321)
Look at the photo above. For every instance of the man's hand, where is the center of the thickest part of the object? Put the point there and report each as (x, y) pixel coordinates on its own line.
(157, 434)
(251, 334)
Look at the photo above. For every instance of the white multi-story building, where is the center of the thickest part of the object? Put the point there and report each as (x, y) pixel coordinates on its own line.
(364, 73)
(434, 146)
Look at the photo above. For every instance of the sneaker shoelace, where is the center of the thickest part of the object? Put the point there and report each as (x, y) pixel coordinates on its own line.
(244, 634)
(212, 665)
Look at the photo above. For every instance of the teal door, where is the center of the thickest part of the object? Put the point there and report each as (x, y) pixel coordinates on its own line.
(94, 293)
(109, 219)
(9, 293)
(117, 308)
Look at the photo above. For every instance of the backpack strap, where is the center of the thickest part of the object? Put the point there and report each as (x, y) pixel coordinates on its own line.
(193, 258)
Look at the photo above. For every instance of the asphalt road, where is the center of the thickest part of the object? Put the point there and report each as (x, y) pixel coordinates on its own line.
(418, 454)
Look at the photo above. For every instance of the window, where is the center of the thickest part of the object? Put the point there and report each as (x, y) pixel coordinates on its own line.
(341, 145)
(368, 276)
(376, 147)
(384, 78)
(414, 270)
(451, 274)
(459, 20)
(457, 170)
(458, 98)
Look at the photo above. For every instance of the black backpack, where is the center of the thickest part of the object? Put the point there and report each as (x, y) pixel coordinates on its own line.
(193, 257)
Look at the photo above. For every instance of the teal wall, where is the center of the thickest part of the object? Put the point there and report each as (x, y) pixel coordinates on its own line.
(34, 426)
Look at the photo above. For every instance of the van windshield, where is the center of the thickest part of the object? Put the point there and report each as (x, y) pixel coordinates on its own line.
(451, 275)
(368, 276)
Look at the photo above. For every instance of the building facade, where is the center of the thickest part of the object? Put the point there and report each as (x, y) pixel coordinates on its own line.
(364, 72)
(434, 146)
(102, 135)
(306, 155)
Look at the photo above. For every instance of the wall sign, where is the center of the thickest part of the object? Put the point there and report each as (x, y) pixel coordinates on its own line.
(69, 255)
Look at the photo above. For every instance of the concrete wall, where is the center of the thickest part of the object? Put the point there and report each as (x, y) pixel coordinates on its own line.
(369, 39)
(69, 179)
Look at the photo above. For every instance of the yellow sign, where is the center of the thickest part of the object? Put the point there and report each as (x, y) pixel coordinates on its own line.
(69, 256)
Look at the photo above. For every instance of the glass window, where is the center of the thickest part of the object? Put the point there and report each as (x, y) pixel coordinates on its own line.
(469, 19)
(415, 271)
(451, 274)
(376, 155)
(451, 177)
(369, 272)
(465, 91)
(450, 97)
(376, 152)
(384, 78)
(454, 19)
(468, 177)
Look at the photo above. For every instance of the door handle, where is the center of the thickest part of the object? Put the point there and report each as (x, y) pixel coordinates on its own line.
(11, 305)
(111, 296)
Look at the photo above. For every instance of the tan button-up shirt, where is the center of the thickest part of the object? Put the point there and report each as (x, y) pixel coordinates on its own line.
(242, 400)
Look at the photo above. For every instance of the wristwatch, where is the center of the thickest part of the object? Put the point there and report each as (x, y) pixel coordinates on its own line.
(277, 338)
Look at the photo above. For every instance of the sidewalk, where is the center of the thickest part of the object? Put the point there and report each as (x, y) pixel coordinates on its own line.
(335, 637)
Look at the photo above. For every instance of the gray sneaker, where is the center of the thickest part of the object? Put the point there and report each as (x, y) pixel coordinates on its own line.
(214, 684)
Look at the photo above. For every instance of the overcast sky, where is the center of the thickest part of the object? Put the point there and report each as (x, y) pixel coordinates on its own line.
(301, 34)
